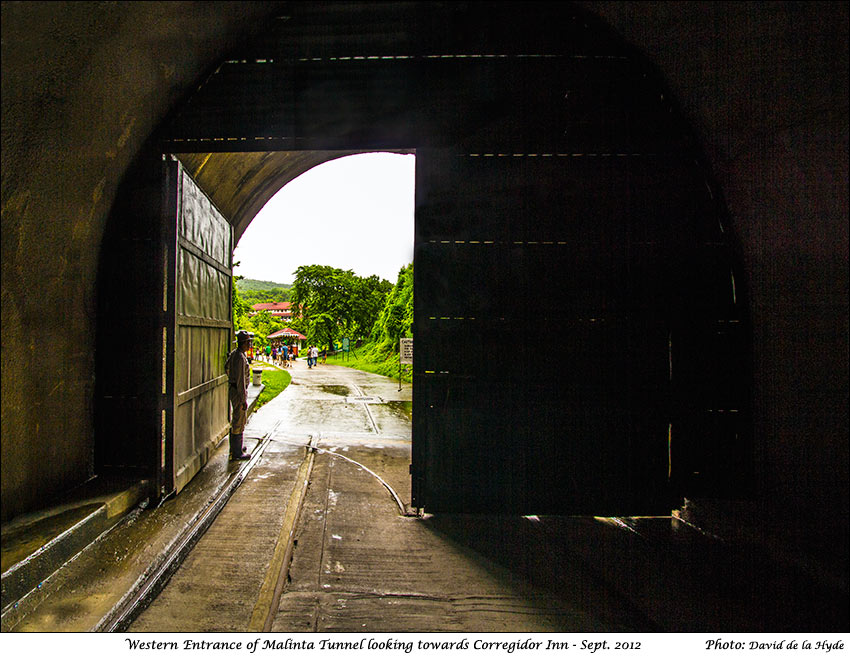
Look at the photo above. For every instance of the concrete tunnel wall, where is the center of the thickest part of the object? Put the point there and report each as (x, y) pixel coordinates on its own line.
(765, 85)
(83, 86)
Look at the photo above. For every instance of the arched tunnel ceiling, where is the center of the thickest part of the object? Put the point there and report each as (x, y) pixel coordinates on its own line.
(240, 184)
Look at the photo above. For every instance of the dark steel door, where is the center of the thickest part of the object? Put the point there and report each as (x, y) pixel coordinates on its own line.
(575, 327)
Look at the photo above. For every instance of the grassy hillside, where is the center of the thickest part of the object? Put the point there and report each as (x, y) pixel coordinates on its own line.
(251, 285)
(262, 291)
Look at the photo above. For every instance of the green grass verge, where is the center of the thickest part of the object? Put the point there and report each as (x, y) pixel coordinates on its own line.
(275, 381)
(367, 358)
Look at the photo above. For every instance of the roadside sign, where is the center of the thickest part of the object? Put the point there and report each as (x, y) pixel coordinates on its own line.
(405, 350)
(345, 344)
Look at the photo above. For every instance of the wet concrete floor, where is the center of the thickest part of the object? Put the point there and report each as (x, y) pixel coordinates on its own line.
(357, 562)
(351, 560)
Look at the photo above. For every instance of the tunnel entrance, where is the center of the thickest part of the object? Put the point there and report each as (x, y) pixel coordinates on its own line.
(170, 406)
(581, 343)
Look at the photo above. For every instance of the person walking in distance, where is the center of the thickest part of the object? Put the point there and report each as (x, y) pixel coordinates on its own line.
(236, 368)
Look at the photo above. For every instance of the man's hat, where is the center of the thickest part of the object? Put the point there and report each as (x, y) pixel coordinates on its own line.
(244, 336)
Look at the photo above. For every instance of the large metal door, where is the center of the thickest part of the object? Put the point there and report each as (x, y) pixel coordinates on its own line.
(578, 325)
(197, 334)
(575, 324)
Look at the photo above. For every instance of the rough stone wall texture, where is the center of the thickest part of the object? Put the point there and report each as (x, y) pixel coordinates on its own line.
(764, 84)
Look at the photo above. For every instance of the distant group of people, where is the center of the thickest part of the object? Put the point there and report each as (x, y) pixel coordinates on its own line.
(281, 354)
(284, 354)
(313, 356)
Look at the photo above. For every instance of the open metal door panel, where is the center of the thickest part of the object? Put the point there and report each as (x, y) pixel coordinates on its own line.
(198, 339)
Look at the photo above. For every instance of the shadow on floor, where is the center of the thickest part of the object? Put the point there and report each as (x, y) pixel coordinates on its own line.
(666, 575)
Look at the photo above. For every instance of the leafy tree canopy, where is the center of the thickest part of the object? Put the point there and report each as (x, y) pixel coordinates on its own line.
(330, 303)
(395, 321)
(260, 324)
(269, 296)
(396, 318)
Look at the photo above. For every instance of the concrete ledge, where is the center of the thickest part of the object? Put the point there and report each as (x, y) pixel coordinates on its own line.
(36, 545)
(254, 392)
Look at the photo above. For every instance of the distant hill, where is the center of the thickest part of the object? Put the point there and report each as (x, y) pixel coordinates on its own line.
(262, 291)
(251, 285)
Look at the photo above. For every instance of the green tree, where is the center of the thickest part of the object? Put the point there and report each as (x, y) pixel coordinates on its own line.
(396, 319)
(241, 309)
(252, 297)
(261, 324)
(322, 299)
(329, 303)
(370, 294)
(322, 328)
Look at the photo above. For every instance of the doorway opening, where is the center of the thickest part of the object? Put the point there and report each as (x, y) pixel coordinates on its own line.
(324, 256)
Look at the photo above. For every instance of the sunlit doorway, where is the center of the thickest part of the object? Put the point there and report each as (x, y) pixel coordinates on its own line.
(324, 255)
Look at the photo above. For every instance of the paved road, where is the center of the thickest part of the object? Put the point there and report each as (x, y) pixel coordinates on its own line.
(314, 542)
(351, 560)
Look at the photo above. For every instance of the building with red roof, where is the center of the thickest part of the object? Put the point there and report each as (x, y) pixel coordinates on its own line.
(281, 310)
(287, 336)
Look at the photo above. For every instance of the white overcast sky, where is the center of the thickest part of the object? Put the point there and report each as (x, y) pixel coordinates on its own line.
(354, 213)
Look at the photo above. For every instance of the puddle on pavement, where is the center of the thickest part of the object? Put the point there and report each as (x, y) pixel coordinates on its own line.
(339, 390)
(400, 409)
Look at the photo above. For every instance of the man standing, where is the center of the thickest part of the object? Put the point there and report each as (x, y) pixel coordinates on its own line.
(236, 368)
